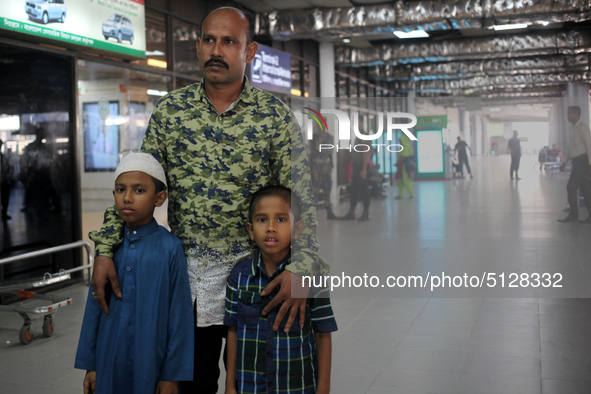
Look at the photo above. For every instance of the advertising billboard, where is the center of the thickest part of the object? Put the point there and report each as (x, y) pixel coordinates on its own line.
(106, 25)
(271, 70)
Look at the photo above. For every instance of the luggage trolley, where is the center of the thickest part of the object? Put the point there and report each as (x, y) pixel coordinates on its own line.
(31, 313)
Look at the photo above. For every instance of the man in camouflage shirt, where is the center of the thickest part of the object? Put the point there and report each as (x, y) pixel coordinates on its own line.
(220, 141)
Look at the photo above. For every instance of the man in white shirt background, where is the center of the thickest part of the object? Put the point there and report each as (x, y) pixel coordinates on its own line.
(579, 151)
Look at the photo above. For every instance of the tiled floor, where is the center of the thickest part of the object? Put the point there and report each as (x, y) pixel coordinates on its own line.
(472, 342)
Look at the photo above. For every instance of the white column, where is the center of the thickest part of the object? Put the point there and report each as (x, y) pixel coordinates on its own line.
(327, 70)
(411, 107)
(576, 94)
(327, 100)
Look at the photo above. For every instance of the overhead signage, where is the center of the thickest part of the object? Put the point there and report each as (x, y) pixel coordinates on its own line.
(106, 25)
(271, 70)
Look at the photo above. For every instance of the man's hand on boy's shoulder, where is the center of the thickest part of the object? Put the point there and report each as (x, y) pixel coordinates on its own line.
(167, 387)
(293, 298)
(89, 382)
(104, 271)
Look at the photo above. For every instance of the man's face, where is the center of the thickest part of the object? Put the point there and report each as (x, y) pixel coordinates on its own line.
(572, 116)
(223, 49)
(136, 197)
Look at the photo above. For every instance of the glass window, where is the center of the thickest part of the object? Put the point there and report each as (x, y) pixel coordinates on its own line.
(342, 88)
(155, 40)
(354, 89)
(306, 80)
(128, 98)
(185, 48)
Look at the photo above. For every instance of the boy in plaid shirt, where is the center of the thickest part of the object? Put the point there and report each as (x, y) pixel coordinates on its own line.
(261, 360)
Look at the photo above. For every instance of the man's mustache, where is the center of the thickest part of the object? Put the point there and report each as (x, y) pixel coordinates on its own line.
(218, 61)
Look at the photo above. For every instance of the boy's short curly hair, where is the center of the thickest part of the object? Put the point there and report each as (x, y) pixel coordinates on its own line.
(276, 191)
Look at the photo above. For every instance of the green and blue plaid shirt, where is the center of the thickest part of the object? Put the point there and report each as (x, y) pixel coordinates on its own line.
(270, 361)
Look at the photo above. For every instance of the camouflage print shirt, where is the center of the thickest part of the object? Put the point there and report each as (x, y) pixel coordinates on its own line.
(213, 163)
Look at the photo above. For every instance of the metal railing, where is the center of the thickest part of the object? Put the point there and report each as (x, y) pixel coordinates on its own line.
(55, 249)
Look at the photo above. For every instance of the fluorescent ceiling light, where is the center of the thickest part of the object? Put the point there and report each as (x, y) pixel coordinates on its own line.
(157, 92)
(157, 63)
(10, 122)
(545, 23)
(155, 53)
(510, 27)
(495, 110)
(411, 34)
(346, 40)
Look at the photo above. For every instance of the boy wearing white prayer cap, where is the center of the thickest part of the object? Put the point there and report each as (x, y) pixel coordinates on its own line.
(145, 343)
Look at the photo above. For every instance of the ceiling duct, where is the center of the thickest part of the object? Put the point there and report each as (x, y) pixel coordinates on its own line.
(436, 15)
(483, 84)
(468, 69)
(505, 46)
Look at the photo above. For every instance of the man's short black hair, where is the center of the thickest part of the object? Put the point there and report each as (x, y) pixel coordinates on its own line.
(276, 191)
(575, 109)
(244, 11)
(160, 186)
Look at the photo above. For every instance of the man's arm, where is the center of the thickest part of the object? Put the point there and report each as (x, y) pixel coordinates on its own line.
(289, 165)
(105, 240)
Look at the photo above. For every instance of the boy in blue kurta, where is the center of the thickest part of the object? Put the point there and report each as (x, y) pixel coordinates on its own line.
(145, 343)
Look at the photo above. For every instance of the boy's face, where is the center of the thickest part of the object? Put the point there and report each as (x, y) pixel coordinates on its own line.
(271, 227)
(136, 198)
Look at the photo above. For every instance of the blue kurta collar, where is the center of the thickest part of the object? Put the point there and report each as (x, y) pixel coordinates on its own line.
(142, 231)
(257, 265)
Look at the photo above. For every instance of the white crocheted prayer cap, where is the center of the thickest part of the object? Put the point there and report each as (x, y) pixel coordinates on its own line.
(142, 162)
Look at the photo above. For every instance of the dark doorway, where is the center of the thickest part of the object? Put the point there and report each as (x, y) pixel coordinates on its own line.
(39, 179)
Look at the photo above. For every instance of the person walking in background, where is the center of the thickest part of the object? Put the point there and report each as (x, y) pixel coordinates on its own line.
(402, 173)
(515, 149)
(463, 156)
(359, 185)
(322, 165)
(579, 151)
(554, 153)
(6, 182)
(543, 156)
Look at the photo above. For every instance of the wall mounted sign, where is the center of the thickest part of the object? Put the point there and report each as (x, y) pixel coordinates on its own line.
(271, 70)
(107, 25)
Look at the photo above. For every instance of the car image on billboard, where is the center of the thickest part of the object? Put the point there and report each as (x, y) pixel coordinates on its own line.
(119, 28)
(46, 10)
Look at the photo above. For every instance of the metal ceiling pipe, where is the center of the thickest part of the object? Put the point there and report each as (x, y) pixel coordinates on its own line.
(467, 69)
(482, 84)
(427, 15)
(506, 46)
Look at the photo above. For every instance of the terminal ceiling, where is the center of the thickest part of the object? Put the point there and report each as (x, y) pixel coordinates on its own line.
(463, 56)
